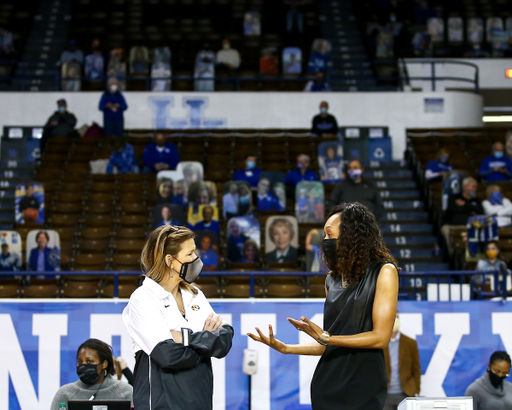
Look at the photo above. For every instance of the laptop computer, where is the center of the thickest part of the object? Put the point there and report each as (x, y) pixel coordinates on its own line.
(99, 405)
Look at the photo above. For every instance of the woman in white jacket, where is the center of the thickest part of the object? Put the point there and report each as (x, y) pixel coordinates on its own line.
(498, 206)
(174, 329)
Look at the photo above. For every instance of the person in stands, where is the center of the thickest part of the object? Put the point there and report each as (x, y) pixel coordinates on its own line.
(167, 218)
(302, 173)
(9, 261)
(324, 124)
(95, 368)
(318, 84)
(160, 155)
(497, 167)
(208, 223)
(403, 367)
(250, 174)
(60, 124)
(438, 168)
(460, 208)
(356, 188)
(208, 256)
(497, 205)
(492, 391)
(122, 158)
(113, 105)
(227, 59)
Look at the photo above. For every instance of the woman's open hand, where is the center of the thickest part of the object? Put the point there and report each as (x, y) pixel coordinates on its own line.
(306, 326)
(270, 341)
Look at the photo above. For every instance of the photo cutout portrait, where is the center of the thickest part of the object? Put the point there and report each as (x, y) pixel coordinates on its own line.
(313, 252)
(508, 26)
(202, 193)
(271, 192)
(206, 218)
(330, 161)
(319, 59)
(282, 239)
(167, 214)
(192, 172)
(10, 256)
(475, 30)
(43, 251)
(237, 199)
(493, 25)
(309, 202)
(292, 60)
(243, 239)
(207, 248)
(204, 71)
(161, 69)
(435, 28)
(455, 30)
(252, 23)
(29, 203)
(71, 72)
(170, 188)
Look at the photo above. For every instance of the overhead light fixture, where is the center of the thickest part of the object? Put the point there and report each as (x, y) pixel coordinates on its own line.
(497, 118)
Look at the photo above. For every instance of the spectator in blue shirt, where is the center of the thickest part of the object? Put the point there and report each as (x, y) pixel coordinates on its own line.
(209, 257)
(267, 201)
(318, 84)
(113, 105)
(302, 173)
(160, 155)
(496, 167)
(167, 217)
(236, 240)
(123, 158)
(251, 174)
(207, 224)
(437, 168)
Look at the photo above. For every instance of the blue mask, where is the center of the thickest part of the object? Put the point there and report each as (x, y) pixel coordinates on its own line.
(496, 198)
(251, 164)
(300, 165)
(498, 154)
(443, 159)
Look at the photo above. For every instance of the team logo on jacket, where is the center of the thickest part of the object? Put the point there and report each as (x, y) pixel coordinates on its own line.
(195, 307)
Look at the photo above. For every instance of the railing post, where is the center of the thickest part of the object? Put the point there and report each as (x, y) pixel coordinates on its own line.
(433, 72)
(116, 284)
(251, 277)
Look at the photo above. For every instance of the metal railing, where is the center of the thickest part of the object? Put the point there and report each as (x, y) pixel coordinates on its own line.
(411, 283)
(356, 79)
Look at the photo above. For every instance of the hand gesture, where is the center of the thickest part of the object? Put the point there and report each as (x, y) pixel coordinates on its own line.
(177, 336)
(213, 322)
(122, 363)
(270, 341)
(306, 326)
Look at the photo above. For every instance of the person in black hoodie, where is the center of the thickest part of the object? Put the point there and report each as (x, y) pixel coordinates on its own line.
(356, 188)
(60, 124)
(175, 331)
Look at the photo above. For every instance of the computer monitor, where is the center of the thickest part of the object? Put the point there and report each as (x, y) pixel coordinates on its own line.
(99, 405)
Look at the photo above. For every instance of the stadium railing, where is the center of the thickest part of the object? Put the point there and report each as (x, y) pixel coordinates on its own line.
(445, 285)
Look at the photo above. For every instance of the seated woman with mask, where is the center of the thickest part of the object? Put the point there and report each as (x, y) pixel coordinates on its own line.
(95, 367)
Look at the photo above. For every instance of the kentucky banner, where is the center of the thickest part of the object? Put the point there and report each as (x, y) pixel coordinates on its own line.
(39, 338)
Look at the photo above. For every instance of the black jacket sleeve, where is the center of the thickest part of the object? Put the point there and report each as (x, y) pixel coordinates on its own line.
(335, 128)
(170, 355)
(213, 344)
(129, 375)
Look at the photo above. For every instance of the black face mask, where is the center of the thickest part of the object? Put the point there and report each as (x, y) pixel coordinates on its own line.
(495, 380)
(88, 373)
(329, 249)
(190, 271)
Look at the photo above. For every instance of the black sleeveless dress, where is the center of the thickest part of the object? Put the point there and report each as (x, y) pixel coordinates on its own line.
(345, 378)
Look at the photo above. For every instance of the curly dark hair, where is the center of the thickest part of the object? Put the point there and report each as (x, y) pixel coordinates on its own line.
(359, 244)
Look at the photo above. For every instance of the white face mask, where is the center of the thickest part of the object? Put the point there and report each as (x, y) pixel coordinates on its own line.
(396, 326)
(113, 88)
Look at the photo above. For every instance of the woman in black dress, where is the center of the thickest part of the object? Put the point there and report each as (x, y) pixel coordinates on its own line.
(359, 312)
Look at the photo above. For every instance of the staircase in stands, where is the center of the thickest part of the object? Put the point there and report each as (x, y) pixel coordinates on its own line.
(405, 222)
(349, 67)
(38, 69)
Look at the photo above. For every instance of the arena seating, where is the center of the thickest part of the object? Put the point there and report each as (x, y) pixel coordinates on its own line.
(103, 219)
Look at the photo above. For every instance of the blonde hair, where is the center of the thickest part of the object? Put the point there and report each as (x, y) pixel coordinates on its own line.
(164, 240)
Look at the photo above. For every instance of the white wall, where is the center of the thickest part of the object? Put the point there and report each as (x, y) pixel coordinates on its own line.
(491, 72)
(171, 110)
